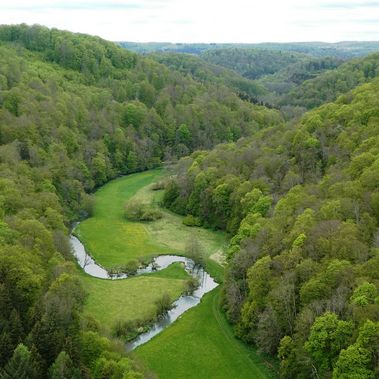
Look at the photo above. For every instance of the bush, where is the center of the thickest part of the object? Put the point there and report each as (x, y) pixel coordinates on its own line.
(157, 186)
(194, 251)
(191, 285)
(137, 211)
(151, 214)
(190, 220)
(129, 330)
(134, 210)
(130, 267)
(163, 305)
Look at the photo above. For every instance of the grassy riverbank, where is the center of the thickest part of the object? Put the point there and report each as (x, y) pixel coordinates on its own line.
(112, 240)
(110, 301)
(201, 344)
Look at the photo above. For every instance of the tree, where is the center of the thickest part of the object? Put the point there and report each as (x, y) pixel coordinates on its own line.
(327, 338)
(63, 368)
(194, 250)
(352, 363)
(20, 366)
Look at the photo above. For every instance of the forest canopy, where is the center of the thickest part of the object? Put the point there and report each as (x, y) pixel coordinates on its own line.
(301, 204)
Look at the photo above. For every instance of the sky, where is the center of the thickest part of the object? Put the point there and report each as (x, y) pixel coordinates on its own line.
(239, 21)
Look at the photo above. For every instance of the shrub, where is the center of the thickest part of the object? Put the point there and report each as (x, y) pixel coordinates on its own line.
(130, 267)
(151, 214)
(157, 186)
(134, 210)
(191, 285)
(194, 250)
(137, 211)
(190, 220)
(163, 304)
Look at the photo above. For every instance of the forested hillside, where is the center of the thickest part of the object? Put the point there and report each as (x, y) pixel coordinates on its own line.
(203, 71)
(252, 63)
(291, 77)
(289, 81)
(329, 85)
(76, 111)
(302, 204)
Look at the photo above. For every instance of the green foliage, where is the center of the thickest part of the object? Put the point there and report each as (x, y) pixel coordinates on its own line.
(301, 205)
(205, 71)
(21, 365)
(137, 211)
(327, 338)
(203, 342)
(163, 304)
(365, 294)
(64, 368)
(190, 220)
(330, 84)
(194, 250)
(359, 359)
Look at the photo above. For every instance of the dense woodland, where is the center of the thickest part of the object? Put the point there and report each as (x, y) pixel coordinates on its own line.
(76, 111)
(300, 199)
(302, 204)
(288, 81)
(203, 71)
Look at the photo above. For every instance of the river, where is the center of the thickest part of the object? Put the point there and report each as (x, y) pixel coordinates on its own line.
(185, 302)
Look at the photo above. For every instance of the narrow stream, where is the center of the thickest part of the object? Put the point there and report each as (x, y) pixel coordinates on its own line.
(185, 302)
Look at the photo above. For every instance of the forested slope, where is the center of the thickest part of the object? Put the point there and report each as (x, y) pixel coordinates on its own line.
(203, 71)
(76, 111)
(252, 63)
(302, 205)
(329, 85)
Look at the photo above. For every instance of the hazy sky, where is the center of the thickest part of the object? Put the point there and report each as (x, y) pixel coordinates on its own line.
(203, 20)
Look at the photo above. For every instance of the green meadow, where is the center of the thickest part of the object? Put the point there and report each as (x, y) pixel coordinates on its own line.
(113, 240)
(109, 301)
(200, 344)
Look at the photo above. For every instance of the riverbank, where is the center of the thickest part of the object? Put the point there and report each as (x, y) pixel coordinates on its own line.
(108, 301)
(202, 345)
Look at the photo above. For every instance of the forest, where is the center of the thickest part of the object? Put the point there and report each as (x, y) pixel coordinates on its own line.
(284, 158)
(302, 204)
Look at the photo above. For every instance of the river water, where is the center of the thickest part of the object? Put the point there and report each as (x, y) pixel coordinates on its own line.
(185, 302)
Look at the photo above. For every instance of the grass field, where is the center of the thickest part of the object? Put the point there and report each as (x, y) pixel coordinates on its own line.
(111, 300)
(112, 240)
(108, 236)
(201, 345)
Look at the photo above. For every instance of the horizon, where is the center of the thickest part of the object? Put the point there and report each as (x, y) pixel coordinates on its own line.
(175, 21)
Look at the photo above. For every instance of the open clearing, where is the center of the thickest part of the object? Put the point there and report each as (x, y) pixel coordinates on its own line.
(112, 240)
(130, 299)
(201, 345)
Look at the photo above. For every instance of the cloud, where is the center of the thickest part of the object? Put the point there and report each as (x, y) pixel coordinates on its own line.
(202, 20)
(351, 5)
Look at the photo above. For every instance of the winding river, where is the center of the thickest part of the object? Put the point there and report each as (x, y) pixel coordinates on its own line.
(185, 302)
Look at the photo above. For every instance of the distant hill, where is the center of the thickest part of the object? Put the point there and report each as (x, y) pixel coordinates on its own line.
(203, 71)
(345, 49)
(330, 84)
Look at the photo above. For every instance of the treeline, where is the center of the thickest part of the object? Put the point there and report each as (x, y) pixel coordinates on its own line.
(203, 71)
(302, 204)
(344, 50)
(76, 111)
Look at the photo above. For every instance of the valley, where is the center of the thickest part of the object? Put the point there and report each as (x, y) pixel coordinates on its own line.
(130, 300)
